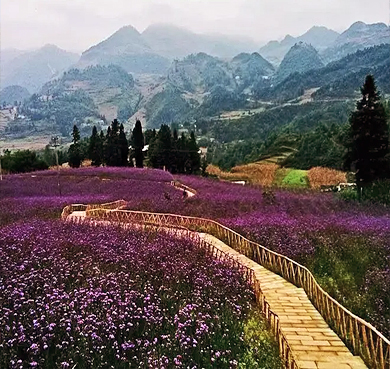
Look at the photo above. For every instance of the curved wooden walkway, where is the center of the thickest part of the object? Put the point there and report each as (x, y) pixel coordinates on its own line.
(312, 342)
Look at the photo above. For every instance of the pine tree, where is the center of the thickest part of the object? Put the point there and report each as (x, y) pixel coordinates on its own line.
(113, 152)
(94, 149)
(176, 152)
(193, 164)
(368, 138)
(138, 144)
(102, 144)
(183, 150)
(160, 156)
(107, 147)
(123, 147)
(74, 151)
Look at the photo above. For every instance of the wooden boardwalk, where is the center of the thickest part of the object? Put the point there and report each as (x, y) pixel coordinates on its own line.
(313, 343)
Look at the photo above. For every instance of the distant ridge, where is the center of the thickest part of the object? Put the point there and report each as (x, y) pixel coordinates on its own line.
(319, 37)
(300, 58)
(32, 69)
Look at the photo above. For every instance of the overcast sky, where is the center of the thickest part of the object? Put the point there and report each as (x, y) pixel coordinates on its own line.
(78, 24)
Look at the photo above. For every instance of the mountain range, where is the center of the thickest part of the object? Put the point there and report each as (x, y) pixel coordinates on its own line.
(34, 68)
(150, 74)
(153, 50)
(330, 44)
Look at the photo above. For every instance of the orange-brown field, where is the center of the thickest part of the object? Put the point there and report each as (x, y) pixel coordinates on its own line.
(271, 174)
(319, 176)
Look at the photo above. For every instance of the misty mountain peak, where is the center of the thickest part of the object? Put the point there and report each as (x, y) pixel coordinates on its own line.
(300, 58)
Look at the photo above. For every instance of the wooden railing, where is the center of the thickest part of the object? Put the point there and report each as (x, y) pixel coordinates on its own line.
(361, 337)
(213, 252)
(182, 186)
(71, 208)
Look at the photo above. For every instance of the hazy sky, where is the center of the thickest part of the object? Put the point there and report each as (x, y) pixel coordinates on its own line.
(79, 24)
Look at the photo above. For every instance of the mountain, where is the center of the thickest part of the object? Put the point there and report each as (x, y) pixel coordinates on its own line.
(339, 79)
(175, 43)
(199, 73)
(111, 88)
(166, 107)
(357, 37)
(300, 58)
(7, 55)
(153, 50)
(250, 68)
(32, 69)
(10, 94)
(318, 37)
(127, 49)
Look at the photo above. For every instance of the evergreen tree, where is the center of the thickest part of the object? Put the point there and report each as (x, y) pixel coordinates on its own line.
(113, 152)
(176, 152)
(183, 153)
(160, 156)
(74, 151)
(107, 147)
(193, 162)
(138, 144)
(123, 147)
(94, 150)
(368, 138)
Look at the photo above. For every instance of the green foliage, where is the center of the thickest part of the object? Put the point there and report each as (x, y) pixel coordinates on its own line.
(221, 99)
(368, 138)
(340, 264)
(167, 107)
(66, 109)
(95, 149)
(116, 147)
(378, 191)
(137, 141)
(177, 155)
(102, 76)
(22, 161)
(348, 194)
(322, 147)
(312, 133)
(74, 152)
(49, 156)
(296, 178)
(262, 351)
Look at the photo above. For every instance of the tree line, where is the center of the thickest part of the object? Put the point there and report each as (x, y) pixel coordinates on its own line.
(166, 149)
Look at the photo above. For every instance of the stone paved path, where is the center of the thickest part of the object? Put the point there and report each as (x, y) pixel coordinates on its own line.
(313, 343)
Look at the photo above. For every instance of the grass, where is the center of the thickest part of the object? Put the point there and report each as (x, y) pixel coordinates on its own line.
(296, 178)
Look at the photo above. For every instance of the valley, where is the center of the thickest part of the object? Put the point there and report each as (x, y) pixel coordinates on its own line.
(216, 95)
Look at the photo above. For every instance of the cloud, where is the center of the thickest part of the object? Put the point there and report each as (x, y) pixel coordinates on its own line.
(78, 24)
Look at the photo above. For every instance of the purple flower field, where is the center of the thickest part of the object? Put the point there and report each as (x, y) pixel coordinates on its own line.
(97, 297)
(77, 296)
(37, 195)
(346, 245)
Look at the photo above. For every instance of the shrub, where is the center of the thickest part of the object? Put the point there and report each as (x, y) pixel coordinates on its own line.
(378, 191)
(348, 194)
